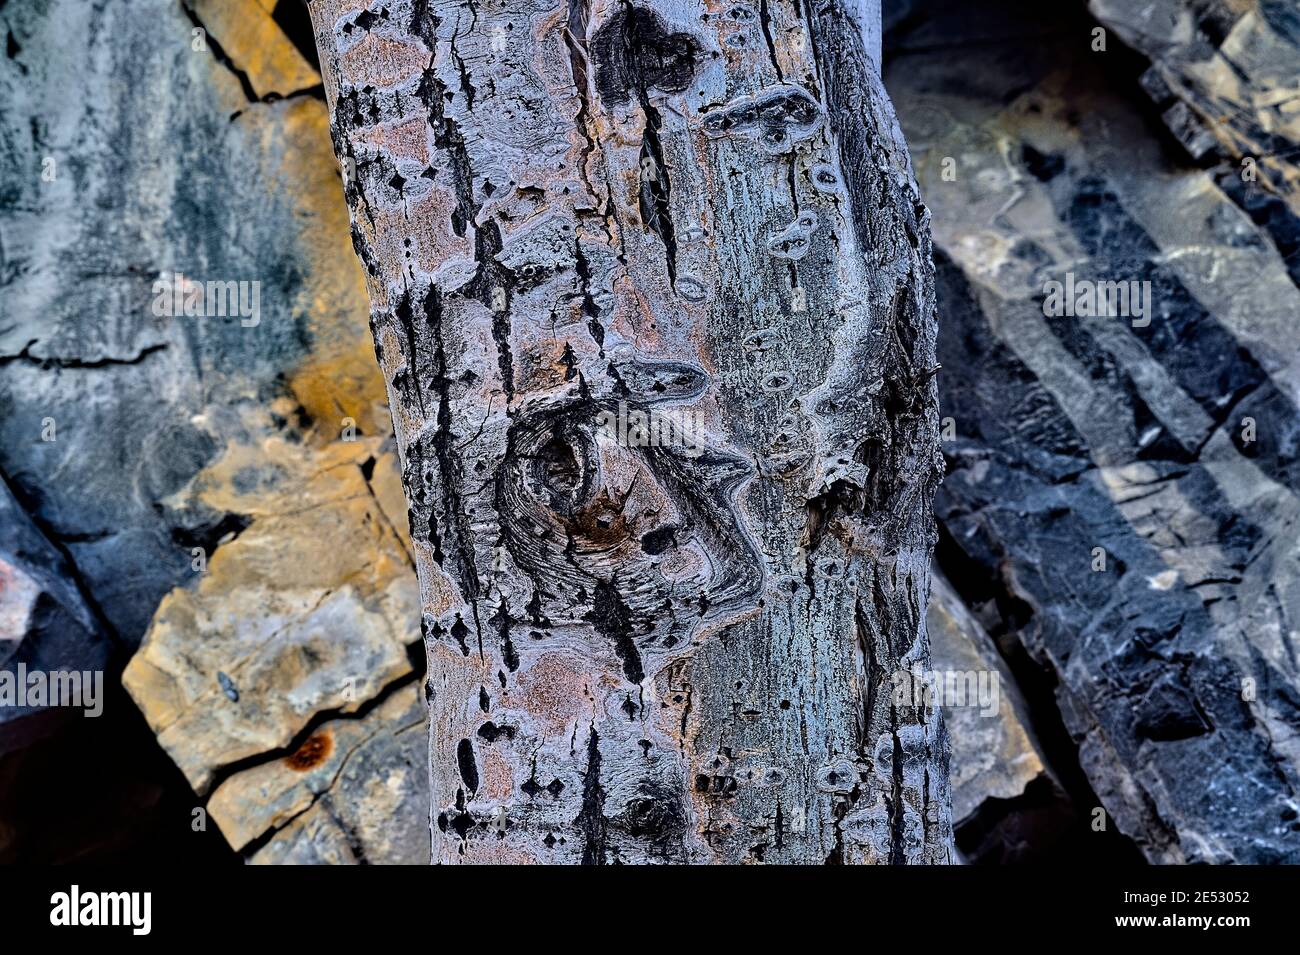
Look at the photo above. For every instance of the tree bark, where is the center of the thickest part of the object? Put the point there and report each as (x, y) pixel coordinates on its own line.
(651, 287)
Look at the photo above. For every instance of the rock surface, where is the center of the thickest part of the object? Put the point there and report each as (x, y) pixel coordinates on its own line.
(1122, 497)
(354, 791)
(175, 433)
(994, 753)
(1223, 73)
(104, 194)
(308, 610)
(46, 622)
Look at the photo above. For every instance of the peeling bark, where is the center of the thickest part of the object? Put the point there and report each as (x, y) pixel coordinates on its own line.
(584, 223)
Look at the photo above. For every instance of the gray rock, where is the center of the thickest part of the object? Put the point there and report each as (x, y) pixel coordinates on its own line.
(120, 163)
(46, 624)
(994, 753)
(213, 160)
(1168, 448)
(1224, 73)
(355, 791)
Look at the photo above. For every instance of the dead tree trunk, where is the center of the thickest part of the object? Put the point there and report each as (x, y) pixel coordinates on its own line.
(651, 288)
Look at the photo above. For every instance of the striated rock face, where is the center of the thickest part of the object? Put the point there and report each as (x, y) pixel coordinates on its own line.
(1223, 73)
(1122, 498)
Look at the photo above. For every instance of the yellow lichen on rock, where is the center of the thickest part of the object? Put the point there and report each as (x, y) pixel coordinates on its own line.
(310, 609)
(256, 45)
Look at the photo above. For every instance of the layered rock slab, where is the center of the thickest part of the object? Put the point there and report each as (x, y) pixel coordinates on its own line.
(309, 610)
(1123, 488)
(112, 410)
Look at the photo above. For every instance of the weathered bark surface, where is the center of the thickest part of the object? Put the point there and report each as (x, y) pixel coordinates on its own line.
(701, 213)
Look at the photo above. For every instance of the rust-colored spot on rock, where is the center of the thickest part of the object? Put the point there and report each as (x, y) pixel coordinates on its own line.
(314, 751)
